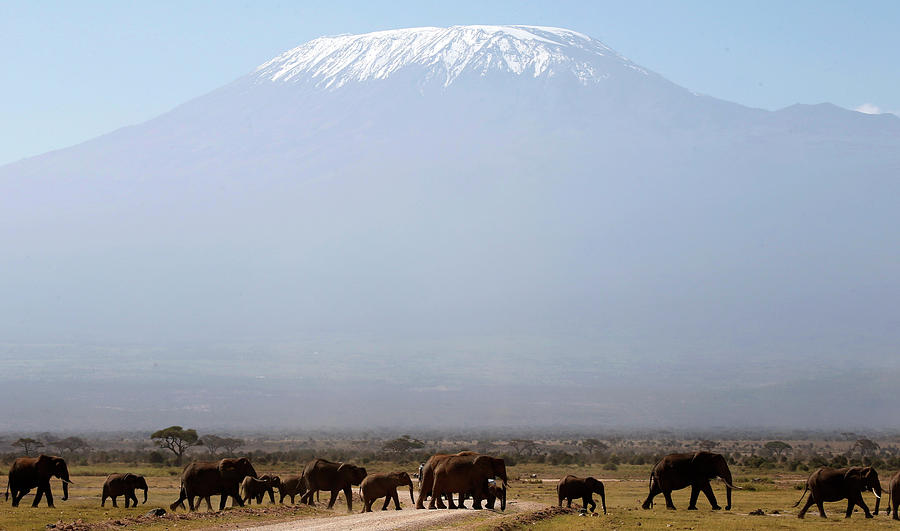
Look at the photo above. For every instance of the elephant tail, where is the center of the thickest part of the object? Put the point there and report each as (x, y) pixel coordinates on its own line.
(805, 489)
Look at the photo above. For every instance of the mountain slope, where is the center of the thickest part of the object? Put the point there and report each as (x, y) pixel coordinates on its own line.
(441, 211)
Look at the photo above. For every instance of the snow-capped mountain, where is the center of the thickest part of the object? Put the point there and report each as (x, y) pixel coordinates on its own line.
(445, 54)
(446, 210)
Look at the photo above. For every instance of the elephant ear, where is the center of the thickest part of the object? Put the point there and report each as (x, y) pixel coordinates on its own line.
(129, 477)
(229, 467)
(44, 465)
(853, 473)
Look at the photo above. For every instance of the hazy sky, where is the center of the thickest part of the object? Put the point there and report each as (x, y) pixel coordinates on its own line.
(75, 70)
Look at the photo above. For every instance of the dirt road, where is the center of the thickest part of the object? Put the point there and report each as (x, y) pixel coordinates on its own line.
(406, 520)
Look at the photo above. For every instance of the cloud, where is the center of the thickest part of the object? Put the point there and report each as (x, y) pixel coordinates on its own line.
(868, 108)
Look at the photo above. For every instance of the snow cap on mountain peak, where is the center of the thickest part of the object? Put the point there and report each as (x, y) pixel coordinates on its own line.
(445, 54)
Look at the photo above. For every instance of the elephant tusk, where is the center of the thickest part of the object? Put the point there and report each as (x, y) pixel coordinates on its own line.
(67, 481)
(875, 493)
(730, 486)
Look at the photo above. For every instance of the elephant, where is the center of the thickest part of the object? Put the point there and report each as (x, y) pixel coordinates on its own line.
(291, 485)
(834, 484)
(321, 474)
(465, 474)
(384, 485)
(894, 495)
(571, 487)
(677, 471)
(27, 473)
(256, 488)
(123, 484)
(496, 492)
(426, 476)
(207, 478)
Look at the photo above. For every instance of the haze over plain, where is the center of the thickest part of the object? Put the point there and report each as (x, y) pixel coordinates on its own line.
(440, 215)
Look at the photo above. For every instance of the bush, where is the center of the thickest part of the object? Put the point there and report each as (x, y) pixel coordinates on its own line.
(610, 466)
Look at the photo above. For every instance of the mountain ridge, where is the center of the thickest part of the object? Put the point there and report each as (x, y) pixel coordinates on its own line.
(623, 243)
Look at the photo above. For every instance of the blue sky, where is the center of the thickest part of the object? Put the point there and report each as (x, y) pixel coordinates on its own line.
(75, 70)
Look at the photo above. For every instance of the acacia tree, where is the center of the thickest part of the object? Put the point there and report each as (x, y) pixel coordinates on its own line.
(213, 443)
(523, 445)
(71, 444)
(777, 447)
(594, 444)
(402, 444)
(28, 445)
(866, 447)
(177, 440)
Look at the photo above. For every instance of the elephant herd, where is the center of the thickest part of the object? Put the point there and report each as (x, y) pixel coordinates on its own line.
(465, 474)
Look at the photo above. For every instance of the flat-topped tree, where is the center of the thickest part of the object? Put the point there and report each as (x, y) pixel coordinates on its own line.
(177, 440)
(28, 445)
(214, 443)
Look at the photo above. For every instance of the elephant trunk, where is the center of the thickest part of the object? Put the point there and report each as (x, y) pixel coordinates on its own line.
(65, 489)
(503, 499)
(412, 498)
(602, 492)
(877, 492)
(145, 494)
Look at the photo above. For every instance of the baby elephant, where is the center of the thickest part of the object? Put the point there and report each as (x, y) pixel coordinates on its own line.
(292, 485)
(254, 489)
(123, 484)
(571, 487)
(375, 486)
(496, 492)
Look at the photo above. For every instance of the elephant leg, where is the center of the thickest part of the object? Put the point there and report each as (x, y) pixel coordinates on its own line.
(331, 501)
(821, 508)
(348, 493)
(396, 500)
(711, 496)
(387, 501)
(37, 496)
(588, 504)
(809, 502)
(695, 493)
(862, 504)
(208, 503)
(654, 490)
(569, 503)
(450, 503)
(115, 502)
(668, 495)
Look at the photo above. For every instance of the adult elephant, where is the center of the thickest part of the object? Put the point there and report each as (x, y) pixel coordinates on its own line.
(677, 471)
(257, 488)
(835, 484)
(321, 474)
(123, 485)
(894, 495)
(291, 485)
(208, 478)
(426, 476)
(571, 487)
(384, 485)
(464, 474)
(27, 473)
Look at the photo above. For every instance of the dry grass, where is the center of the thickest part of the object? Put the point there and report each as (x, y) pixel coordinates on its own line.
(626, 489)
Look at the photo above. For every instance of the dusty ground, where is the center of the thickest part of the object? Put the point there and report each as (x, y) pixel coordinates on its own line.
(404, 520)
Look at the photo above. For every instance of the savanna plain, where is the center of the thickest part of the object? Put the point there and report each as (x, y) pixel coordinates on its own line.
(770, 473)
